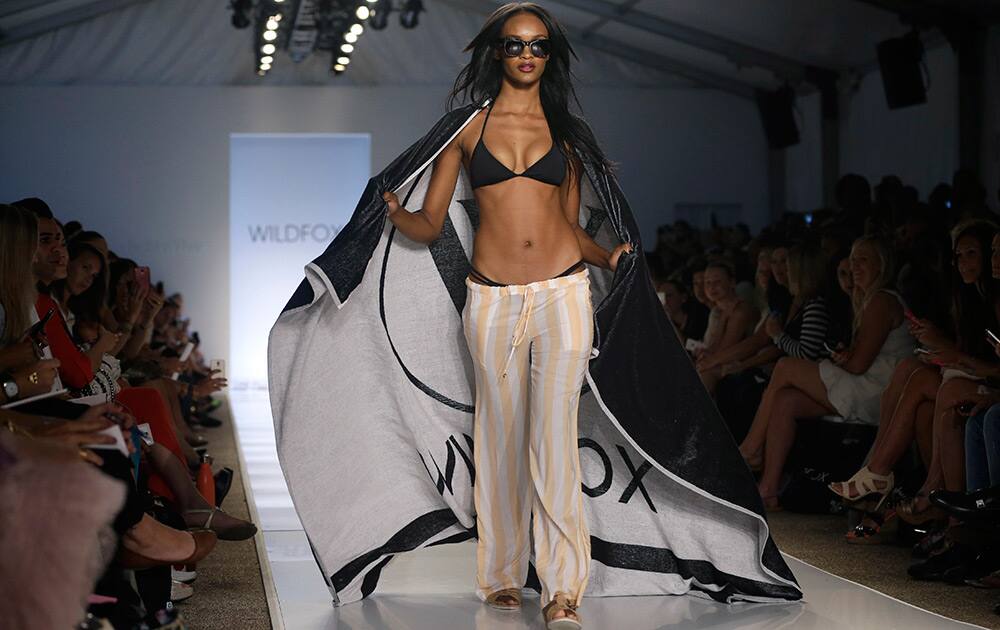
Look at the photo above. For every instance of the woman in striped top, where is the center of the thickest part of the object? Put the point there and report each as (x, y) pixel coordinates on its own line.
(806, 332)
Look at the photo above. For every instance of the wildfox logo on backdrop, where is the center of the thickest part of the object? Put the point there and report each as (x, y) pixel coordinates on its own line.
(293, 233)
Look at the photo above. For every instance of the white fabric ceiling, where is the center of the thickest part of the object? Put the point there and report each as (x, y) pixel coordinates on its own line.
(191, 42)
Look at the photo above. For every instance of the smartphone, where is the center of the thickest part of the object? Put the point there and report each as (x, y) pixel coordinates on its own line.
(39, 326)
(142, 277)
(145, 433)
(992, 337)
(908, 314)
(185, 353)
(115, 432)
(922, 351)
(218, 368)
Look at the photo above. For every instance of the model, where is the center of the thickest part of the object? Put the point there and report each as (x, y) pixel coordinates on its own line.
(629, 484)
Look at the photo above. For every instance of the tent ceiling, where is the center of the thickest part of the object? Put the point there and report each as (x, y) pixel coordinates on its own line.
(723, 44)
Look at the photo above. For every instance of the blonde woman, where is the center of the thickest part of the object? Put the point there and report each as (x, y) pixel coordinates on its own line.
(850, 383)
(18, 242)
(23, 373)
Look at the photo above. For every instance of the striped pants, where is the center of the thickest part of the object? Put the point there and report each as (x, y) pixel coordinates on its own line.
(530, 346)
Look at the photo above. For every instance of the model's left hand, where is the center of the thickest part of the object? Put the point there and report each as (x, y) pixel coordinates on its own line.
(617, 253)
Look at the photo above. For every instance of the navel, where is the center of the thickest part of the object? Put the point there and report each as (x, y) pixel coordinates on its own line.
(527, 243)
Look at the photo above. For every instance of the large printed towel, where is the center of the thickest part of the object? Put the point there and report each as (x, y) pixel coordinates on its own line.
(372, 392)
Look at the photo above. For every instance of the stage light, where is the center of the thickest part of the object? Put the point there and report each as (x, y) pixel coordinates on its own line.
(265, 66)
(261, 73)
(347, 48)
(272, 25)
(363, 12)
(267, 49)
(344, 60)
(357, 29)
(267, 59)
(339, 67)
(270, 36)
(379, 19)
(350, 37)
(409, 16)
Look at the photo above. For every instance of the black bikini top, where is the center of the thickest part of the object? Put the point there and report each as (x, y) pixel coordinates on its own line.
(485, 169)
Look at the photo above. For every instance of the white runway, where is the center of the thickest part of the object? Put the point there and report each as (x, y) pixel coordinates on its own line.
(432, 589)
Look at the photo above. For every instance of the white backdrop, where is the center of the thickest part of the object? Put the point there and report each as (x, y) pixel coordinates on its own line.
(289, 196)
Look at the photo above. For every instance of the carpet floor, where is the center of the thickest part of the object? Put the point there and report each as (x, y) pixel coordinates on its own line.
(819, 540)
(229, 593)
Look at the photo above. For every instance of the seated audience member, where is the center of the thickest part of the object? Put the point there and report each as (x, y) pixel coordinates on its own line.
(688, 315)
(73, 289)
(731, 319)
(746, 368)
(920, 399)
(807, 322)
(849, 383)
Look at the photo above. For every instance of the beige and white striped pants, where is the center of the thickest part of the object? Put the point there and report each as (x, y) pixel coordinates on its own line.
(530, 345)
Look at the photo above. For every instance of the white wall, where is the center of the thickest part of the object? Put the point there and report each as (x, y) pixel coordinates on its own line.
(149, 167)
(918, 143)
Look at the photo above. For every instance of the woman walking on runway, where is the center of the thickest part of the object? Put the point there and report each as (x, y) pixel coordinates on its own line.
(528, 318)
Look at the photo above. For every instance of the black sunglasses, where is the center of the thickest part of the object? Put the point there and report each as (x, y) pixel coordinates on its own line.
(513, 47)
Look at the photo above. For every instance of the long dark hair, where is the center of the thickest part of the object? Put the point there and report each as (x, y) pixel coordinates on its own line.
(482, 77)
(87, 305)
(974, 304)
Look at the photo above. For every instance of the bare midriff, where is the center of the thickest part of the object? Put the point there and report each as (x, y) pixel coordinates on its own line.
(523, 234)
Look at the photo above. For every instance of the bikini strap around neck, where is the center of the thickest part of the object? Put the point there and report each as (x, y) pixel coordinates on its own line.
(489, 110)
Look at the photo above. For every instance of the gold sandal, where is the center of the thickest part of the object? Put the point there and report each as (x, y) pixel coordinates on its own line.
(513, 593)
(560, 601)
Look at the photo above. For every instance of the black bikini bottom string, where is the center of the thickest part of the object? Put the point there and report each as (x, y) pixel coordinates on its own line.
(482, 279)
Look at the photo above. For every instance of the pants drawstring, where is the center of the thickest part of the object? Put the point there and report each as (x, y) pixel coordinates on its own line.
(520, 328)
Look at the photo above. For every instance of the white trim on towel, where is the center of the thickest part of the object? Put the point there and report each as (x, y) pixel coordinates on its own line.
(319, 272)
(326, 281)
(441, 148)
(708, 495)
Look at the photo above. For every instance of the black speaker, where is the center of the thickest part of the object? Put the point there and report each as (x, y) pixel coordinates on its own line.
(777, 112)
(901, 61)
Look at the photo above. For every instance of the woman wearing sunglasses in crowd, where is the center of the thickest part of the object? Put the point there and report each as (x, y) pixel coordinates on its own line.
(530, 240)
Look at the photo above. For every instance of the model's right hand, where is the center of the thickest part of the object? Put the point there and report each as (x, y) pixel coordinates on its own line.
(393, 201)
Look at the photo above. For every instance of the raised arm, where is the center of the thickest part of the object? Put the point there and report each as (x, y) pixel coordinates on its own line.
(424, 225)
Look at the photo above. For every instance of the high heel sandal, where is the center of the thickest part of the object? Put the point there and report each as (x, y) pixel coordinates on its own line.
(907, 511)
(493, 599)
(865, 482)
(872, 534)
(236, 532)
(560, 602)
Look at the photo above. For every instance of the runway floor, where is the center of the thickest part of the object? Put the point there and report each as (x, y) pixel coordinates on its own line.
(431, 589)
